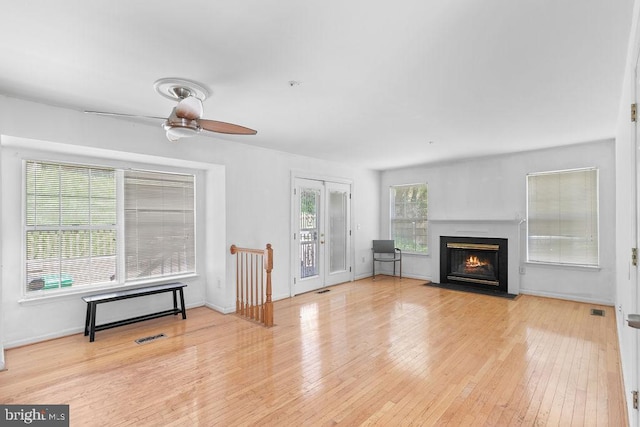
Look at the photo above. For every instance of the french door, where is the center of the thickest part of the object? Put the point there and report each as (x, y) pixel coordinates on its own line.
(634, 294)
(321, 234)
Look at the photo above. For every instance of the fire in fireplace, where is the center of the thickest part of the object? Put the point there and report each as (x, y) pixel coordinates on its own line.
(474, 261)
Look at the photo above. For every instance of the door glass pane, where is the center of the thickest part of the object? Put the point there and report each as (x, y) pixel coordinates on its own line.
(337, 231)
(309, 222)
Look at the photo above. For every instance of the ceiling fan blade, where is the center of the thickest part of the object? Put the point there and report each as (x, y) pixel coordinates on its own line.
(223, 127)
(104, 113)
(189, 108)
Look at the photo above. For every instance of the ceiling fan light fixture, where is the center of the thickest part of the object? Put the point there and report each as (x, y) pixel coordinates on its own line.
(181, 132)
(178, 132)
(180, 128)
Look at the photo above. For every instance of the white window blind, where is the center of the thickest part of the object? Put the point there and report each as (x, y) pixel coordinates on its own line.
(70, 225)
(159, 224)
(562, 217)
(408, 216)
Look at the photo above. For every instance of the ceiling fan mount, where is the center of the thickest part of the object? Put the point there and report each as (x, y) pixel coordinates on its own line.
(177, 89)
(186, 119)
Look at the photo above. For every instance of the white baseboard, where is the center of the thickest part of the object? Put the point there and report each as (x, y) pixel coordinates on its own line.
(279, 297)
(384, 273)
(219, 309)
(62, 333)
(566, 297)
(45, 337)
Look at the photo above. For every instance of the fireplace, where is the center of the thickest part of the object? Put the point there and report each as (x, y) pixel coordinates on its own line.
(478, 262)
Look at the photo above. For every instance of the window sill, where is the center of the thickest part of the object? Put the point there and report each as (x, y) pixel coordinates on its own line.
(416, 254)
(564, 266)
(44, 297)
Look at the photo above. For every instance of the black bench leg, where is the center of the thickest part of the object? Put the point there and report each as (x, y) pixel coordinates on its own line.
(87, 319)
(184, 311)
(175, 301)
(92, 331)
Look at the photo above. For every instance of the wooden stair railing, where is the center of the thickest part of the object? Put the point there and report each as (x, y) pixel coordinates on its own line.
(253, 300)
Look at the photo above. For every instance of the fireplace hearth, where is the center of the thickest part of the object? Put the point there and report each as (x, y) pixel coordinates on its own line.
(478, 262)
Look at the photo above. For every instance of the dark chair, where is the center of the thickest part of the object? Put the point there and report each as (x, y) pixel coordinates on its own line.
(386, 251)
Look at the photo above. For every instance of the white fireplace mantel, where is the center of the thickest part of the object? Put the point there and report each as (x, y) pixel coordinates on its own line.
(480, 221)
(505, 228)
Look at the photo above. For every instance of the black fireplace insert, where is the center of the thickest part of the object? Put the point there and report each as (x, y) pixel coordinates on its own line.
(478, 262)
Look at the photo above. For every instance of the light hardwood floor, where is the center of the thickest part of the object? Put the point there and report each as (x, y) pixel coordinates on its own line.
(389, 352)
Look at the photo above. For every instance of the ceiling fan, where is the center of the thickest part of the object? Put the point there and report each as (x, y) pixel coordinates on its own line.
(186, 119)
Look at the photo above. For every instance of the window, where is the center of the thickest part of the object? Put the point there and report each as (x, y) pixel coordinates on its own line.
(409, 217)
(562, 217)
(71, 225)
(159, 224)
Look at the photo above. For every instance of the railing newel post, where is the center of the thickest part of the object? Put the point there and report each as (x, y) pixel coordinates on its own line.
(269, 304)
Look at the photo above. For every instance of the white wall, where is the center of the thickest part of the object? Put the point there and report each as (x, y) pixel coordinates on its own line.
(367, 218)
(626, 222)
(256, 211)
(493, 189)
(2, 364)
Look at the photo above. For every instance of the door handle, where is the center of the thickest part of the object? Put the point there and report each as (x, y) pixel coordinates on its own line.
(634, 320)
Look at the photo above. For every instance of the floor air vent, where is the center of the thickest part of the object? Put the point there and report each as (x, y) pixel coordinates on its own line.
(323, 291)
(149, 339)
(597, 312)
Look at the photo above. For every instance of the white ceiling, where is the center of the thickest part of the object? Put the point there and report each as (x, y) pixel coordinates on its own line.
(381, 84)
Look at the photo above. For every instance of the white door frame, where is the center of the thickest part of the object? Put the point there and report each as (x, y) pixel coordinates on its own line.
(297, 174)
(635, 374)
(2, 362)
